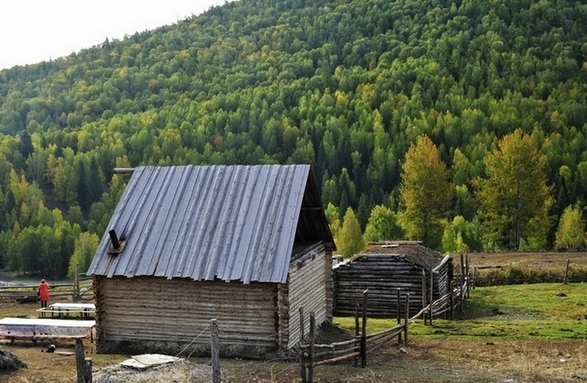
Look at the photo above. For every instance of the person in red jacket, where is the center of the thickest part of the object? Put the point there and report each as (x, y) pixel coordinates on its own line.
(43, 292)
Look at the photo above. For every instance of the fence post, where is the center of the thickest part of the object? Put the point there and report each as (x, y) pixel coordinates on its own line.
(83, 364)
(399, 315)
(467, 271)
(407, 319)
(424, 294)
(452, 300)
(302, 359)
(474, 281)
(356, 359)
(448, 291)
(364, 333)
(215, 351)
(463, 279)
(311, 350)
(462, 294)
(76, 294)
(88, 363)
(431, 294)
(566, 272)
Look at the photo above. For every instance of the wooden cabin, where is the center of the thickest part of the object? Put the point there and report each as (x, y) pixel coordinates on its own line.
(245, 245)
(383, 269)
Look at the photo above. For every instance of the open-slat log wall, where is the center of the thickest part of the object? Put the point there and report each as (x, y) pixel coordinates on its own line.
(167, 315)
(443, 275)
(308, 275)
(383, 275)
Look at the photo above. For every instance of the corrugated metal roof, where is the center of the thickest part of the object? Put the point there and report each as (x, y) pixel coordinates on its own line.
(207, 222)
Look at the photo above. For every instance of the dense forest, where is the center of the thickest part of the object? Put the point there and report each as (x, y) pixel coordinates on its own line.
(358, 88)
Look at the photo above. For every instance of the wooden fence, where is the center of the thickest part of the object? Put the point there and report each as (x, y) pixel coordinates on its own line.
(78, 288)
(357, 348)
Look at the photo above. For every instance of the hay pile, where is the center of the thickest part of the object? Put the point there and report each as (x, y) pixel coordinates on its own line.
(177, 372)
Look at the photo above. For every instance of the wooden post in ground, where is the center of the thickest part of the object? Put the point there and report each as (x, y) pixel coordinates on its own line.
(424, 294)
(450, 292)
(76, 294)
(566, 272)
(431, 295)
(399, 315)
(311, 353)
(451, 300)
(83, 364)
(407, 319)
(467, 271)
(88, 362)
(463, 279)
(461, 294)
(357, 332)
(474, 280)
(215, 351)
(302, 359)
(364, 331)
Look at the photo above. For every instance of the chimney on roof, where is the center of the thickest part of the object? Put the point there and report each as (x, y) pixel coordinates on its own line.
(114, 239)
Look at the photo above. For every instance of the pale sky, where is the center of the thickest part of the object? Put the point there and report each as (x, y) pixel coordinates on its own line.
(32, 31)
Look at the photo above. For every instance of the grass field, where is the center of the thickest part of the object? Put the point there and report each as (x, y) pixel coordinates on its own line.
(516, 333)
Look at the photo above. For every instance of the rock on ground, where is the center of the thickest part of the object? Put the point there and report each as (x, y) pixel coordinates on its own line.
(9, 362)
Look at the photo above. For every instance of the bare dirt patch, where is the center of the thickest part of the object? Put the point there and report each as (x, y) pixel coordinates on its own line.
(536, 260)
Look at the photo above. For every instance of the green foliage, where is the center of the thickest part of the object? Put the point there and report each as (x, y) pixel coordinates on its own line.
(461, 236)
(514, 199)
(383, 225)
(349, 240)
(42, 250)
(425, 193)
(345, 86)
(76, 216)
(85, 247)
(570, 234)
(333, 219)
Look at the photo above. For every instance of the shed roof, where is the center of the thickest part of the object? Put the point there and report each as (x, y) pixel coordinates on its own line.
(208, 222)
(411, 250)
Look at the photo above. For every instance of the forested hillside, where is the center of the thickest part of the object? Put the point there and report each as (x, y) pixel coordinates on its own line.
(346, 85)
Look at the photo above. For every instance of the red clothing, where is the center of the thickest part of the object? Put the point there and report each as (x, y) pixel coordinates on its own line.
(43, 290)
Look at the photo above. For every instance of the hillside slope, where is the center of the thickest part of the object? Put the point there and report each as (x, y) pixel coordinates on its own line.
(345, 85)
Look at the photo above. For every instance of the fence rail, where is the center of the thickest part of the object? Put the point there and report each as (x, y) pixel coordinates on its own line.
(22, 293)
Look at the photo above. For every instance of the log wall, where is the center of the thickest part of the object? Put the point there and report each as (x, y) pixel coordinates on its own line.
(383, 275)
(148, 315)
(310, 287)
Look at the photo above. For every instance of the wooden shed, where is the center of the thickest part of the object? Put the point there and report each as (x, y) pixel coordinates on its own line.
(246, 245)
(383, 269)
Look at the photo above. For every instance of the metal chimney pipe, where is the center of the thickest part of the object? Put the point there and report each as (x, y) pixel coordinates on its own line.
(114, 239)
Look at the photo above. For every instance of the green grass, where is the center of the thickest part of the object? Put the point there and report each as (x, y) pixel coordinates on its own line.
(521, 312)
